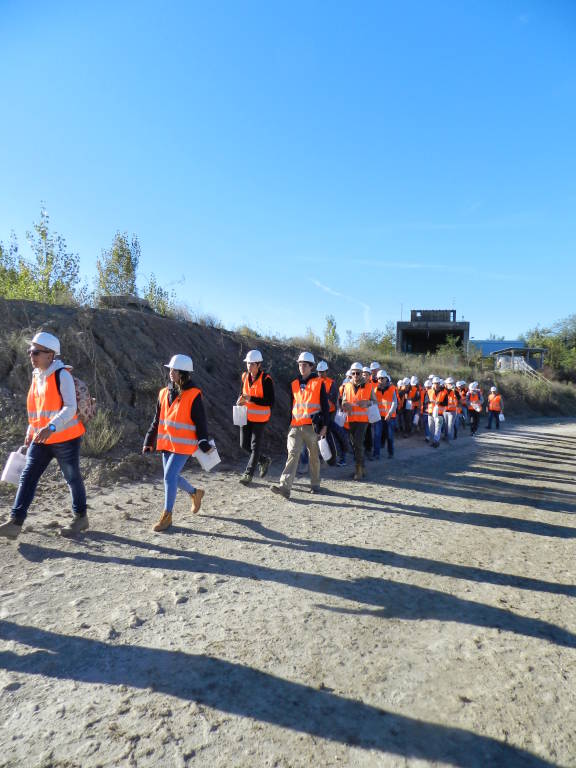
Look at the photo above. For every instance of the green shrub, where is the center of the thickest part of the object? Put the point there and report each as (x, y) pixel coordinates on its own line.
(102, 434)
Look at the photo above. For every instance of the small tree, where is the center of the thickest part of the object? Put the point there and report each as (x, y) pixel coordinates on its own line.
(118, 266)
(331, 338)
(161, 300)
(53, 273)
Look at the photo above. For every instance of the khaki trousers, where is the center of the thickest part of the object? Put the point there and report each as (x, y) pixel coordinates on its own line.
(297, 437)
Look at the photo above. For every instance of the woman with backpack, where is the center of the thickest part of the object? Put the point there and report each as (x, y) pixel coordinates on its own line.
(178, 429)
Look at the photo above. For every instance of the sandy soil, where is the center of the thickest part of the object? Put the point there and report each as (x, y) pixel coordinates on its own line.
(424, 617)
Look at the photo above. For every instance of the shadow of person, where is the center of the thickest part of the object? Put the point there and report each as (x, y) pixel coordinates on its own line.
(247, 692)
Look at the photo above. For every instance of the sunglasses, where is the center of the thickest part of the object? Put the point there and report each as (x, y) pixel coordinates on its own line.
(356, 373)
(34, 352)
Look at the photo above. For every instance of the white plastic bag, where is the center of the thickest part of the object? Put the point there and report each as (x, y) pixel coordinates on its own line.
(435, 412)
(340, 418)
(240, 415)
(208, 460)
(374, 413)
(324, 448)
(408, 405)
(501, 417)
(14, 466)
(416, 419)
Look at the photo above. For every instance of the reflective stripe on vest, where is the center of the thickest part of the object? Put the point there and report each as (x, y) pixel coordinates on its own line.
(176, 430)
(306, 401)
(44, 405)
(452, 401)
(473, 397)
(385, 400)
(357, 413)
(439, 399)
(256, 389)
(494, 402)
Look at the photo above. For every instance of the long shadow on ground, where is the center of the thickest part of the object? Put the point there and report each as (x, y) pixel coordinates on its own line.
(247, 692)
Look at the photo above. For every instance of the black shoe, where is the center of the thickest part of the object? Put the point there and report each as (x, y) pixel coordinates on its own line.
(264, 466)
(315, 489)
(245, 479)
(279, 490)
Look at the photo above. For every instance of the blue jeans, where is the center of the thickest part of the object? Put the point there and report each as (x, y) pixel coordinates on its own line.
(388, 428)
(39, 455)
(494, 415)
(377, 438)
(173, 465)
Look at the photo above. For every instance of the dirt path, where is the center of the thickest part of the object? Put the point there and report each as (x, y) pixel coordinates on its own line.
(425, 617)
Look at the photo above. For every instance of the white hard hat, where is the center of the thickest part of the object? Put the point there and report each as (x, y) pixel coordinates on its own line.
(406, 381)
(427, 384)
(366, 369)
(374, 366)
(460, 383)
(47, 340)
(306, 357)
(432, 376)
(254, 356)
(180, 363)
(436, 380)
(493, 389)
(414, 380)
(400, 383)
(322, 366)
(348, 372)
(382, 374)
(474, 385)
(355, 367)
(449, 380)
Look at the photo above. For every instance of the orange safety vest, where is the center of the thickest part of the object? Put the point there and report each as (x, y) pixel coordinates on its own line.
(494, 402)
(473, 397)
(439, 399)
(44, 405)
(328, 386)
(306, 401)
(385, 400)
(430, 402)
(463, 392)
(452, 402)
(363, 393)
(176, 430)
(255, 412)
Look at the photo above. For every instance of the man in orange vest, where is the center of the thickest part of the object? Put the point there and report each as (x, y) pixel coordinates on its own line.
(495, 408)
(258, 397)
(383, 430)
(438, 400)
(54, 432)
(336, 435)
(357, 397)
(474, 402)
(310, 412)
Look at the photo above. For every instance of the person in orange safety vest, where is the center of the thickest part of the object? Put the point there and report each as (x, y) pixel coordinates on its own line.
(358, 395)
(178, 430)
(495, 408)
(54, 432)
(258, 397)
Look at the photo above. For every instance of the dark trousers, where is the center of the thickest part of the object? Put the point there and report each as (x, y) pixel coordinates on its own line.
(496, 416)
(474, 417)
(39, 455)
(357, 431)
(251, 441)
(388, 428)
(340, 438)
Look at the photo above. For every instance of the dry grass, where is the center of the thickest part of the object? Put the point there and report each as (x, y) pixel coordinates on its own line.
(102, 433)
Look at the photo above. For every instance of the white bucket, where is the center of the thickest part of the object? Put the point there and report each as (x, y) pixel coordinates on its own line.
(208, 460)
(374, 413)
(325, 450)
(240, 415)
(416, 419)
(501, 417)
(14, 466)
(340, 418)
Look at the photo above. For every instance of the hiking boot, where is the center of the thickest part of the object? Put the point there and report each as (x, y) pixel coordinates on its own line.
(264, 466)
(245, 479)
(279, 490)
(196, 497)
(357, 472)
(78, 524)
(10, 530)
(166, 519)
(315, 489)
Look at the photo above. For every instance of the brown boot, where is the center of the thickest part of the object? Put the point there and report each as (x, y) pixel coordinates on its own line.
(358, 472)
(196, 497)
(164, 522)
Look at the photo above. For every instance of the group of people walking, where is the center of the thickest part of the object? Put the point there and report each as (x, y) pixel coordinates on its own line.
(361, 416)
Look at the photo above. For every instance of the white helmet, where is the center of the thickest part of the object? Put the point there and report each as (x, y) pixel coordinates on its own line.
(493, 389)
(355, 367)
(306, 357)
(374, 366)
(382, 374)
(254, 356)
(366, 369)
(432, 376)
(414, 380)
(406, 381)
(180, 363)
(461, 383)
(474, 385)
(47, 340)
(427, 384)
(436, 380)
(400, 383)
(450, 381)
(322, 366)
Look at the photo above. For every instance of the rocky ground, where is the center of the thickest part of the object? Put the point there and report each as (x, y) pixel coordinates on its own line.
(424, 617)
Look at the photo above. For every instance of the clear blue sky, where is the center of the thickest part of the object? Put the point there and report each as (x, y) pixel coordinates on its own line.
(280, 162)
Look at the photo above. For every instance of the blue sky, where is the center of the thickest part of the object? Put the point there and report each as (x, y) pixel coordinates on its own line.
(280, 162)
